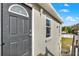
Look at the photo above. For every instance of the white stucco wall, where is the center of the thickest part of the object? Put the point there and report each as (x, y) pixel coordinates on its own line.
(39, 33)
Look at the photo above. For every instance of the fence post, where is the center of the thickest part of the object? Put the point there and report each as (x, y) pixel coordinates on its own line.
(76, 51)
(73, 49)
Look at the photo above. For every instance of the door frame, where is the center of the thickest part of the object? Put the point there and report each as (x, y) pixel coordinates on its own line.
(1, 27)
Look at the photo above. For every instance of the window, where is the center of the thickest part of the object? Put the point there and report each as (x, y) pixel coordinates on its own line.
(18, 9)
(48, 28)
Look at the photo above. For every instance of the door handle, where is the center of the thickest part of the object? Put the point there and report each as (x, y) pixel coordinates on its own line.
(30, 34)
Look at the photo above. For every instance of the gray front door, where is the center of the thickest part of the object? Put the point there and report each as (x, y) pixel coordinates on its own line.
(16, 39)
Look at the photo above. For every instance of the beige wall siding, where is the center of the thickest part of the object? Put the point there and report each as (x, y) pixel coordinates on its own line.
(39, 33)
(56, 38)
(43, 33)
(53, 43)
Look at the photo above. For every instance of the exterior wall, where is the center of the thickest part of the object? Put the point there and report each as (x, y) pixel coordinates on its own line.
(53, 43)
(56, 39)
(0, 29)
(39, 33)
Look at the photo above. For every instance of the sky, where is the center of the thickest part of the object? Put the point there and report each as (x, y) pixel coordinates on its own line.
(69, 12)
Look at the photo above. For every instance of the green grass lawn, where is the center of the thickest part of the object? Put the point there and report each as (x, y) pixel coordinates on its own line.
(66, 43)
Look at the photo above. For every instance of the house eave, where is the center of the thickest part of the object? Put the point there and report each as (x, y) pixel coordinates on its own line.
(49, 8)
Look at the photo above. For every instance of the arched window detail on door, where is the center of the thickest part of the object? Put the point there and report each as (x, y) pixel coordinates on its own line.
(18, 9)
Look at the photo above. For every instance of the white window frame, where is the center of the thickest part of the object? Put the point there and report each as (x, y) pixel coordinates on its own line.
(48, 38)
(16, 12)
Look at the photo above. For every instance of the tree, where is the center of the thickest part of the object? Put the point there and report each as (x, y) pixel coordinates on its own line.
(69, 29)
(65, 29)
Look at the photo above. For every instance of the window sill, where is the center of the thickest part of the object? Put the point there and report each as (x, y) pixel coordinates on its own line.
(48, 38)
